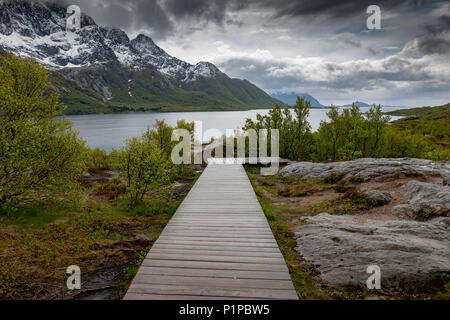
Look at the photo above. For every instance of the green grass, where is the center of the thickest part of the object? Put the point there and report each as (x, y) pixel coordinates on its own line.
(433, 124)
(424, 113)
(31, 216)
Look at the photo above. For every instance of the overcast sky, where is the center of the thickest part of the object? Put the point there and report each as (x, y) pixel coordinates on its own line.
(320, 47)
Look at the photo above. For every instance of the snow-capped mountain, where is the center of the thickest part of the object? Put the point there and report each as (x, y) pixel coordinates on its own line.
(34, 28)
(100, 70)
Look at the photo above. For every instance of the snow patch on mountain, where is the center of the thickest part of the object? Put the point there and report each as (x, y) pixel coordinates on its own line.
(37, 29)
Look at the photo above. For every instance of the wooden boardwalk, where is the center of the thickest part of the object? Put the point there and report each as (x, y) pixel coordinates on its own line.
(218, 245)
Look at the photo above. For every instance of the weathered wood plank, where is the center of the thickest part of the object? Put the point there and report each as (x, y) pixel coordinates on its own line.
(214, 258)
(218, 245)
(233, 253)
(148, 296)
(215, 243)
(215, 265)
(212, 291)
(215, 248)
(213, 282)
(234, 274)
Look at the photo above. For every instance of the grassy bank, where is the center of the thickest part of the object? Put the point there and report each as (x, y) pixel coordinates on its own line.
(432, 123)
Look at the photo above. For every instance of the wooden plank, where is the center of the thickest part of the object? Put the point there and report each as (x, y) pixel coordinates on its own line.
(233, 253)
(217, 234)
(215, 243)
(234, 274)
(216, 239)
(245, 229)
(215, 248)
(213, 282)
(218, 245)
(148, 296)
(214, 258)
(248, 293)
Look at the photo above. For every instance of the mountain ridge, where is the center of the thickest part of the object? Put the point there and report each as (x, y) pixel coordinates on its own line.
(102, 67)
(291, 98)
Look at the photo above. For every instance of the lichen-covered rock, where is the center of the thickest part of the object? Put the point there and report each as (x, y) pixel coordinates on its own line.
(446, 178)
(369, 169)
(427, 200)
(380, 197)
(413, 256)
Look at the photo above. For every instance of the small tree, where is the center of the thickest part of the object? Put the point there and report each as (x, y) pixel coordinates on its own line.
(145, 166)
(301, 125)
(189, 126)
(37, 150)
(376, 122)
(161, 135)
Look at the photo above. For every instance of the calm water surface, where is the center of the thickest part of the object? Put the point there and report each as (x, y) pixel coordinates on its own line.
(108, 131)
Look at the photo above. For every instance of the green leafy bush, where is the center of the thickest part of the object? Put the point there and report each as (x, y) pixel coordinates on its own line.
(37, 150)
(98, 160)
(144, 166)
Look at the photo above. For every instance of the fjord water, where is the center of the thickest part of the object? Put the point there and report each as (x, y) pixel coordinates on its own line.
(108, 131)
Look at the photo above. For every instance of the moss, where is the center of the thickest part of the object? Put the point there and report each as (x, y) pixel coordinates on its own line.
(344, 186)
(335, 177)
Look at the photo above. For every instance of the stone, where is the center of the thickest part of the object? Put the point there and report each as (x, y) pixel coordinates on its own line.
(445, 178)
(369, 169)
(413, 256)
(380, 197)
(141, 237)
(426, 200)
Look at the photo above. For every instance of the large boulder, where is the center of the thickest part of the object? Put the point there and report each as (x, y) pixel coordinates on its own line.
(369, 169)
(427, 200)
(413, 256)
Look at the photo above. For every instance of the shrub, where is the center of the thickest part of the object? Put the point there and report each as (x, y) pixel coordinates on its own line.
(98, 160)
(334, 177)
(111, 190)
(161, 135)
(144, 166)
(37, 149)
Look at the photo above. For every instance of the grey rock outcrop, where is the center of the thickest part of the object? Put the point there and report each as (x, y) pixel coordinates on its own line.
(427, 200)
(380, 197)
(413, 256)
(369, 169)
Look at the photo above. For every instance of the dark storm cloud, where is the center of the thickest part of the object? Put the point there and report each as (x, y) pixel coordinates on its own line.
(161, 15)
(205, 10)
(133, 15)
(216, 10)
(331, 8)
(437, 37)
